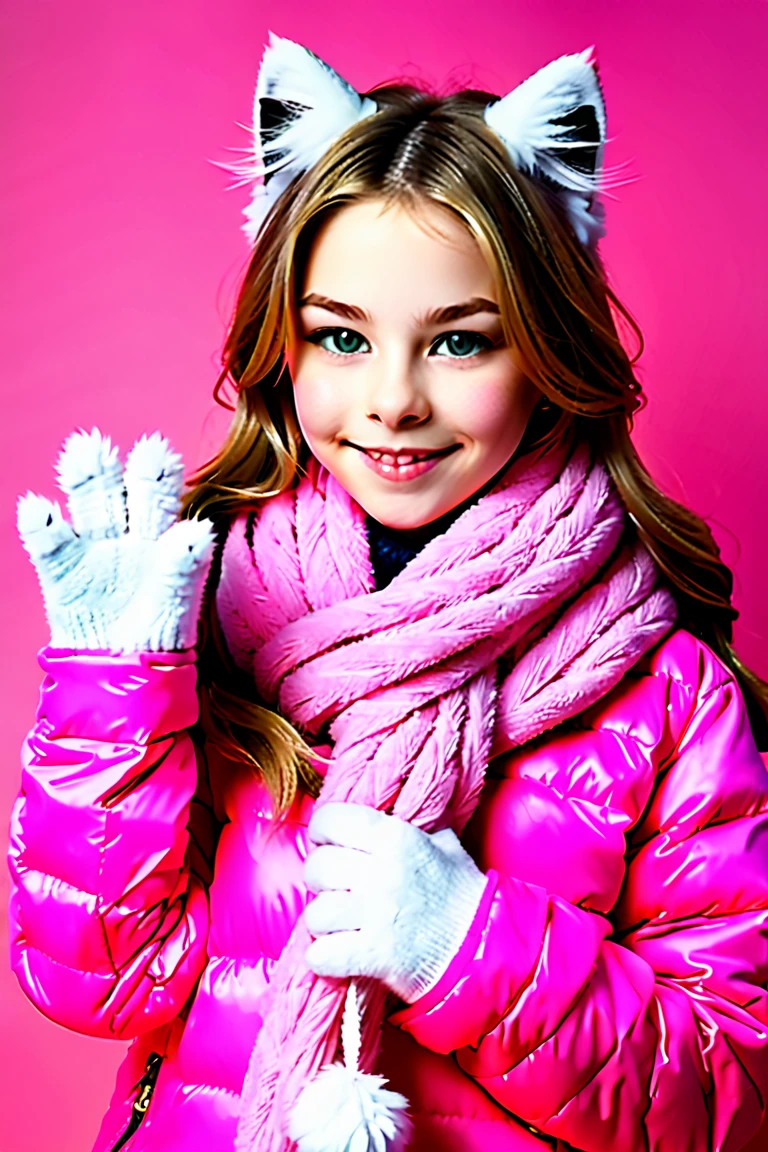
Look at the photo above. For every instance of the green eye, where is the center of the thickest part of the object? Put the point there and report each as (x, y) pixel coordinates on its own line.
(339, 341)
(461, 345)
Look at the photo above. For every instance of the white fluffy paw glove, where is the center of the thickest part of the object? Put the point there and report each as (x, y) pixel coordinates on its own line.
(125, 575)
(392, 902)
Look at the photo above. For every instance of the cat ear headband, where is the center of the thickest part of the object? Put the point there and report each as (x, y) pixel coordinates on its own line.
(553, 125)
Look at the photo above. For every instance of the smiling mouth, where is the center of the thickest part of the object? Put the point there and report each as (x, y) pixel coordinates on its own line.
(402, 456)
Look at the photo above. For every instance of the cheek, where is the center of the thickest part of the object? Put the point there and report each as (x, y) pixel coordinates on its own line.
(499, 408)
(318, 402)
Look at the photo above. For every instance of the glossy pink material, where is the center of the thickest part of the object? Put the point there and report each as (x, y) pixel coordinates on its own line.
(610, 993)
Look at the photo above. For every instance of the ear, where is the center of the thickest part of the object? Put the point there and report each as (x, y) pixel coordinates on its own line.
(553, 125)
(301, 106)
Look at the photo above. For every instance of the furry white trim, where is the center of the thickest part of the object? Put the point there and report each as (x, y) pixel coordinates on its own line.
(526, 120)
(308, 106)
(125, 574)
(319, 107)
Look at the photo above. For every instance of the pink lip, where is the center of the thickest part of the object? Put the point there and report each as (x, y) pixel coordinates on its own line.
(400, 472)
(420, 452)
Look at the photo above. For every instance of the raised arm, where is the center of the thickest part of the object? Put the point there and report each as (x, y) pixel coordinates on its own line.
(648, 1029)
(108, 919)
(111, 834)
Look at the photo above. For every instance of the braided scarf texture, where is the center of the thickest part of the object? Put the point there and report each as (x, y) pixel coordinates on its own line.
(531, 606)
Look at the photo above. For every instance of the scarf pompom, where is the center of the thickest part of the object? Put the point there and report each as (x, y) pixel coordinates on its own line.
(343, 1110)
(346, 1110)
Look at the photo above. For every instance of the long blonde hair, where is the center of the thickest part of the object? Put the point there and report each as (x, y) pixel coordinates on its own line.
(556, 308)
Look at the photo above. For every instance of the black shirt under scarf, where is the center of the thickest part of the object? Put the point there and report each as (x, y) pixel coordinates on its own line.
(393, 548)
(389, 553)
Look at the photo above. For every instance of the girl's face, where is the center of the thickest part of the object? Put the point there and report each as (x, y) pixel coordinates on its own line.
(404, 386)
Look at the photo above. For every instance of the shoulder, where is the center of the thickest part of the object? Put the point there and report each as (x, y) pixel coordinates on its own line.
(659, 698)
(687, 660)
(676, 716)
(683, 708)
(651, 705)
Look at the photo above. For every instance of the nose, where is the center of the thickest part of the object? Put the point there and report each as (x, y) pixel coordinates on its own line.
(396, 397)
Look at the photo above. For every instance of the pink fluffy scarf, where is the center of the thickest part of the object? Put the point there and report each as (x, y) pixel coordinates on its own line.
(531, 606)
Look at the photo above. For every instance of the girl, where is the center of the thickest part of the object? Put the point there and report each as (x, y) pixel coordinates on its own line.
(473, 803)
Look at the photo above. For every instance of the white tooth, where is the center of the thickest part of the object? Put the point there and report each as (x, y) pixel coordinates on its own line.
(402, 460)
(387, 458)
(386, 468)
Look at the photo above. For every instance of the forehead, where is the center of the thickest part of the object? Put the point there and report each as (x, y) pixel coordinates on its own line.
(384, 256)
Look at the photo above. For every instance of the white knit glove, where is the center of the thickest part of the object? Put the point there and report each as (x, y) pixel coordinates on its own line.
(393, 902)
(124, 576)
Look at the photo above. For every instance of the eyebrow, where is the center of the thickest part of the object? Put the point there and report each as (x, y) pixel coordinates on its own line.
(434, 317)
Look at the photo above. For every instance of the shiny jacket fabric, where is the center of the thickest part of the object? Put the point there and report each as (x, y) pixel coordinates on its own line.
(611, 992)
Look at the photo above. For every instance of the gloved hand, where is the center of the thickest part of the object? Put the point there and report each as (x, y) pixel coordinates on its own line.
(393, 902)
(124, 575)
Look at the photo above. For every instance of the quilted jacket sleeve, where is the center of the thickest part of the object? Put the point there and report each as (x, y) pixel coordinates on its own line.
(109, 843)
(648, 1028)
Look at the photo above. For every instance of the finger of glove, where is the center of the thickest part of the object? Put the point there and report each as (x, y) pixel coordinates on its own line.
(168, 608)
(182, 557)
(153, 482)
(338, 954)
(91, 475)
(50, 541)
(348, 825)
(334, 912)
(330, 867)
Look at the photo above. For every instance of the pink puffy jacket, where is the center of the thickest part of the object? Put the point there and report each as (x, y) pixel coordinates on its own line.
(610, 995)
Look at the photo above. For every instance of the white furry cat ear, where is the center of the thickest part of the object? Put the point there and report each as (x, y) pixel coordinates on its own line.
(301, 106)
(553, 125)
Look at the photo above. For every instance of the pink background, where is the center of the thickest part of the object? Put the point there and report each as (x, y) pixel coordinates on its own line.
(122, 252)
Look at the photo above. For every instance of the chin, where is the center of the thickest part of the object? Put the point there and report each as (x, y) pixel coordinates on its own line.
(404, 518)
(404, 523)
